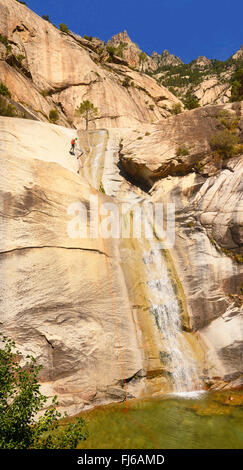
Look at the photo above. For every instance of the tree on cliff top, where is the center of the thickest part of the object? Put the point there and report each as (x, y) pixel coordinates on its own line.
(142, 59)
(88, 110)
(21, 400)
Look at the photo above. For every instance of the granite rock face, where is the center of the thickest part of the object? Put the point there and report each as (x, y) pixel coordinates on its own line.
(176, 146)
(59, 70)
(55, 290)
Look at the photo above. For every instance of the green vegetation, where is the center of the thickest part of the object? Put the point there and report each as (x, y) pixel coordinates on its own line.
(190, 101)
(64, 28)
(21, 401)
(238, 257)
(228, 120)
(88, 38)
(182, 151)
(190, 75)
(53, 116)
(46, 93)
(20, 57)
(237, 85)
(88, 110)
(7, 109)
(225, 143)
(4, 40)
(198, 166)
(142, 59)
(176, 108)
(116, 51)
(102, 188)
(46, 18)
(4, 91)
(127, 82)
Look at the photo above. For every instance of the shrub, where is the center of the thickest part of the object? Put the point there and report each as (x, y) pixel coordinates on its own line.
(127, 82)
(118, 51)
(4, 40)
(4, 91)
(225, 143)
(7, 109)
(64, 28)
(176, 108)
(198, 166)
(53, 116)
(20, 57)
(190, 101)
(142, 59)
(88, 38)
(228, 120)
(182, 151)
(45, 93)
(20, 403)
(46, 18)
(111, 50)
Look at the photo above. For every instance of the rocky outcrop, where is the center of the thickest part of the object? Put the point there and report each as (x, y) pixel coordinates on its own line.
(166, 59)
(59, 70)
(131, 52)
(238, 55)
(201, 62)
(174, 147)
(210, 91)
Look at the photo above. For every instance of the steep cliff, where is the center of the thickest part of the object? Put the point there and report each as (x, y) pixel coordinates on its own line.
(45, 69)
(55, 296)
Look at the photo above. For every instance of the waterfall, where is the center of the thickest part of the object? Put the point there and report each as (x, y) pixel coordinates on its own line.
(176, 354)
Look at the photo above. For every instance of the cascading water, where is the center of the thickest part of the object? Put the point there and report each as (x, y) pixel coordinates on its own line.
(176, 355)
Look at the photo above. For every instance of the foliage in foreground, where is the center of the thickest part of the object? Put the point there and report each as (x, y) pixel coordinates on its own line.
(21, 401)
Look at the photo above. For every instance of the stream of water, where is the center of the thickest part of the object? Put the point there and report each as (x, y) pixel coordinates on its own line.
(176, 353)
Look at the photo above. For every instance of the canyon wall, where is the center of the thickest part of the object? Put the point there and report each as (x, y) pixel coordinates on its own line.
(63, 298)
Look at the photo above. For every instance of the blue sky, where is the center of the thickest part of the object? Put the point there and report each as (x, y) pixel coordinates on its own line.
(187, 28)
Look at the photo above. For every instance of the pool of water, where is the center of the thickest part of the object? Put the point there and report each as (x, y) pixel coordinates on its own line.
(195, 421)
